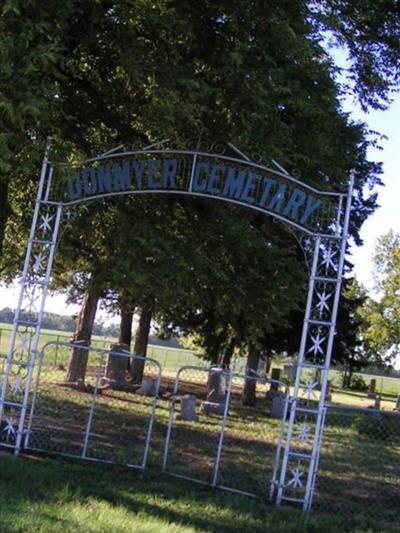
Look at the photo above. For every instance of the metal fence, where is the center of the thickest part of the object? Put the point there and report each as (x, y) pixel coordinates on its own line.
(103, 419)
(202, 431)
(359, 465)
(214, 439)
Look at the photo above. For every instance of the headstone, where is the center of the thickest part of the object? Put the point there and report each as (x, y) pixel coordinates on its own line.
(261, 369)
(317, 379)
(216, 392)
(287, 371)
(397, 407)
(115, 373)
(216, 386)
(328, 394)
(213, 408)
(377, 403)
(274, 386)
(148, 387)
(294, 372)
(278, 407)
(188, 408)
(371, 388)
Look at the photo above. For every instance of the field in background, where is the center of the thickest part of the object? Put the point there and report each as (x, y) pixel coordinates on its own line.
(171, 359)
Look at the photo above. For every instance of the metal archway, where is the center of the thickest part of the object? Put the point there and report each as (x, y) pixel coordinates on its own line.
(320, 215)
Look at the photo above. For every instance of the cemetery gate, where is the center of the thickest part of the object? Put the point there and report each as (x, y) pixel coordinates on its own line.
(319, 220)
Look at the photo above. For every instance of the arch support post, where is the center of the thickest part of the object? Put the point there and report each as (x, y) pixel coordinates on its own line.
(308, 403)
(24, 340)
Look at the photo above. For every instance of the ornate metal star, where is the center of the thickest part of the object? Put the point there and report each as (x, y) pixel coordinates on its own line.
(38, 262)
(304, 434)
(9, 429)
(328, 256)
(323, 297)
(16, 386)
(45, 225)
(24, 341)
(309, 390)
(317, 340)
(296, 479)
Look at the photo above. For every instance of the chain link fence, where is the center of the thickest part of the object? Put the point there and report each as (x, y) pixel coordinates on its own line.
(225, 430)
(359, 465)
(103, 418)
(213, 438)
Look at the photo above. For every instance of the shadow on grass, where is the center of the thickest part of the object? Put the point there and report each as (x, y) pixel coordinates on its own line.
(56, 483)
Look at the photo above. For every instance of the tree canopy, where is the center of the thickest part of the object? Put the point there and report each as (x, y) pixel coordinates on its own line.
(382, 314)
(93, 74)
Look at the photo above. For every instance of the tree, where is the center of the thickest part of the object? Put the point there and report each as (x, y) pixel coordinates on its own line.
(252, 73)
(383, 314)
(79, 357)
(350, 348)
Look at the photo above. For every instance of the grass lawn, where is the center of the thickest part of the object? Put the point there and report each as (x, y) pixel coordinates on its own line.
(43, 495)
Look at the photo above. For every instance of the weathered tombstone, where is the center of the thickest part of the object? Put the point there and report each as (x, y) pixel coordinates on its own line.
(274, 387)
(397, 407)
(148, 387)
(294, 372)
(188, 408)
(377, 403)
(278, 407)
(115, 374)
(371, 388)
(261, 369)
(328, 394)
(213, 408)
(216, 386)
(287, 371)
(317, 378)
(216, 393)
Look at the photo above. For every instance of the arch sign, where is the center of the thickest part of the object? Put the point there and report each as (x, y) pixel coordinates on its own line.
(323, 216)
(201, 174)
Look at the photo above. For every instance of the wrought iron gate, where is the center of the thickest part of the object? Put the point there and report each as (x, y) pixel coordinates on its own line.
(320, 216)
(213, 439)
(99, 420)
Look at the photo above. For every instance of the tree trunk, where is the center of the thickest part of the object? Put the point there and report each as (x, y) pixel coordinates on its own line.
(125, 328)
(84, 327)
(226, 361)
(141, 341)
(249, 389)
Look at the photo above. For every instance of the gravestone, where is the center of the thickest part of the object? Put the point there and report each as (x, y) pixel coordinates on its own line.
(188, 408)
(216, 386)
(148, 387)
(317, 378)
(377, 403)
(212, 408)
(371, 388)
(115, 374)
(274, 387)
(328, 394)
(216, 393)
(278, 406)
(261, 369)
(397, 407)
(287, 371)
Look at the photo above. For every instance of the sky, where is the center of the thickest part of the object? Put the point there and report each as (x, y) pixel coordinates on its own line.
(387, 216)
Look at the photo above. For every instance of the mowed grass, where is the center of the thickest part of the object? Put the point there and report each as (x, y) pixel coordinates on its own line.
(42, 495)
(358, 474)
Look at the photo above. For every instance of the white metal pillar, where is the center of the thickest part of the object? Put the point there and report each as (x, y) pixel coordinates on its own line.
(24, 340)
(307, 414)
